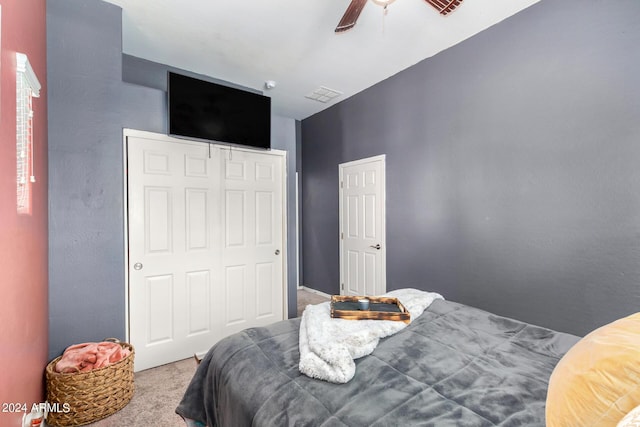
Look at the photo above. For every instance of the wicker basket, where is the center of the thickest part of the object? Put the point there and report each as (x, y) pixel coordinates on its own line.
(85, 397)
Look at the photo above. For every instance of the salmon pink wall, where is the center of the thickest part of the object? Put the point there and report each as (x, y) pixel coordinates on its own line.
(23, 238)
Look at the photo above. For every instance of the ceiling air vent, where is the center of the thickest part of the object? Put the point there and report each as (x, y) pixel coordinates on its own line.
(323, 94)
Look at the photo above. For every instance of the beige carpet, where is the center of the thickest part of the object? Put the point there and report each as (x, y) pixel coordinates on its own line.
(157, 393)
(159, 390)
(306, 297)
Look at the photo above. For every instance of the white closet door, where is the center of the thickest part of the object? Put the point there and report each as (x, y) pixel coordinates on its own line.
(252, 253)
(205, 238)
(173, 252)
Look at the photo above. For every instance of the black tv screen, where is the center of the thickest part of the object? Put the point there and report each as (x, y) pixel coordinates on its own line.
(213, 112)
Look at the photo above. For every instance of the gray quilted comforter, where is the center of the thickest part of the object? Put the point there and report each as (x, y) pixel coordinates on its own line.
(453, 366)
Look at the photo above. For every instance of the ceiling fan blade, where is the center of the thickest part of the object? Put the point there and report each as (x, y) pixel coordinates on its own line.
(351, 15)
(444, 6)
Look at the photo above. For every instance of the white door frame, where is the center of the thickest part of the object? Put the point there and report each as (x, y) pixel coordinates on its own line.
(126, 268)
(383, 237)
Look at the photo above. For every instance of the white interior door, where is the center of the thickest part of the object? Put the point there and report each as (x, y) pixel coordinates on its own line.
(172, 188)
(362, 227)
(205, 239)
(252, 253)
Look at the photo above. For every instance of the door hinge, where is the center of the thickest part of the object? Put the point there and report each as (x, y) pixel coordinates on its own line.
(342, 286)
(341, 184)
(342, 236)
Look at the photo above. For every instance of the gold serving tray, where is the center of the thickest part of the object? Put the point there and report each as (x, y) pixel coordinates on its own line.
(380, 308)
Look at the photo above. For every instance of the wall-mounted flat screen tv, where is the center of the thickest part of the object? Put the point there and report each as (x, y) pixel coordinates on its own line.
(209, 111)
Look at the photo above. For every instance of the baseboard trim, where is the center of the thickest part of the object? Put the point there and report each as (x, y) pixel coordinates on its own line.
(313, 291)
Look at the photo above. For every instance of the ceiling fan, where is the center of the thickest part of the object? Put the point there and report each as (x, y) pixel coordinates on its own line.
(355, 7)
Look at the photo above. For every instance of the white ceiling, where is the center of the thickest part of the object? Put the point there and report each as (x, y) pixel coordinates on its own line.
(293, 43)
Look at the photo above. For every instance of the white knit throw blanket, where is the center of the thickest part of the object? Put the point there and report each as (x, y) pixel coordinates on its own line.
(329, 346)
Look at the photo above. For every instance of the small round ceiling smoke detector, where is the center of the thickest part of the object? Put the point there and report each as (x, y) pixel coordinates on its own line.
(269, 84)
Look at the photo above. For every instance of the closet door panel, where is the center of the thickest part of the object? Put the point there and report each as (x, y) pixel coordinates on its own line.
(205, 244)
(253, 217)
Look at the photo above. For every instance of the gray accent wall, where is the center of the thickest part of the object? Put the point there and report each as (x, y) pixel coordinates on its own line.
(89, 105)
(513, 177)
(283, 137)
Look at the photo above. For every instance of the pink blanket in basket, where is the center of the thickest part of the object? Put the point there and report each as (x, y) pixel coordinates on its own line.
(91, 355)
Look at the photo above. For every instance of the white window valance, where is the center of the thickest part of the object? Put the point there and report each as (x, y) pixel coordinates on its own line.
(23, 66)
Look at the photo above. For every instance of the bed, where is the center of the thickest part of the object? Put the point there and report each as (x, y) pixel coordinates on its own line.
(454, 365)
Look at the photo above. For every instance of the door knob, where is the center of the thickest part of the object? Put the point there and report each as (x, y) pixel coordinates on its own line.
(376, 246)
(137, 266)
(277, 251)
